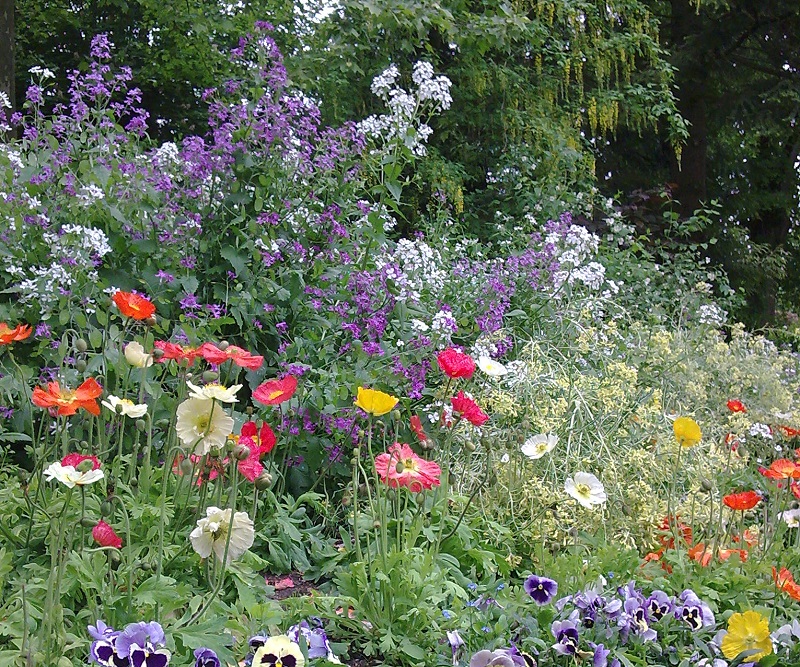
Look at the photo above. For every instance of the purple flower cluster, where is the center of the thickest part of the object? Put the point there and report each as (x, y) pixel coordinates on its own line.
(138, 645)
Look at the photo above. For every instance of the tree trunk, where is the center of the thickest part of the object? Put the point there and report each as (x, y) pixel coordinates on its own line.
(7, 49)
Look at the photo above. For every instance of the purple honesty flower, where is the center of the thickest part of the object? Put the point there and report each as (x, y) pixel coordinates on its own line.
(205, 657)
(693, 611)
(42, 330)
(541, 589)
(566, 634)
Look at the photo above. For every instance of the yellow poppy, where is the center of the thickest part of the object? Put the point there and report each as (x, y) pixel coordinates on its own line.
(687, 431)
(375, 402)
(747, 632)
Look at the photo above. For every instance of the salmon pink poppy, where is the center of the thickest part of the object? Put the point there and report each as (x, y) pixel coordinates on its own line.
(746, 500)
(273, 392)
(781, 469)
(416, 428)
(401, 466)
(175, 352)
(134, 305)
(784, 580)
(456, 364)
(105, 536)
(239, 356)
(260, 442)
(700, 553)
(725, 554)
(67, 402)
(670, 525)
(18, 333)
(469, 409)
(735, 405)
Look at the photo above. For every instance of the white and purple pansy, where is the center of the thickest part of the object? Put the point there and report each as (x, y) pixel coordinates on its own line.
(541, 589)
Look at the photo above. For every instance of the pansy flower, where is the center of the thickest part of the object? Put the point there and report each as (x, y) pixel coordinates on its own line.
(205, 657)
(273, 392)
(566, 635)
(541, 589)
(693, 611)
(278, 651)
(18, 333)
(401, 466)
(134, 305)
(239, 356)
(456, 364)
(67, 401)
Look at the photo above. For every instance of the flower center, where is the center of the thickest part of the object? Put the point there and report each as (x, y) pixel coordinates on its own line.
(203, 422)
(583, 489)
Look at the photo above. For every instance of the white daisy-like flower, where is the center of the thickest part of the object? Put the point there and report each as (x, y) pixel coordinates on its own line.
(211, 534)
(791, 517)
(217, 391)
(586, 489)
(202, 425)
(70, 477)
(491, 367)
(537, 446)
(136, 356)
(124, 406)
(505, 458)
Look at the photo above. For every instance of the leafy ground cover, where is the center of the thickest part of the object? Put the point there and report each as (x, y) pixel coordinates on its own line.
(225, 377)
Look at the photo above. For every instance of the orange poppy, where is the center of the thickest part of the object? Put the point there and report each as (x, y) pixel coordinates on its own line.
(788, 431)
(700, 553)
(67, 402)
(781, 469)
(683, 530)
(746, 500)
(750, 537)
(273, 392)
(785, 582)
(8, 335)
(133, 305)
(735, 405)
(175, 352)
(241, 357)
(725, 554)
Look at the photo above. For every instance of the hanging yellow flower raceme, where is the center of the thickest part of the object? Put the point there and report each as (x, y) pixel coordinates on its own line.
(748, 631)
(375, 402)
(687, 432)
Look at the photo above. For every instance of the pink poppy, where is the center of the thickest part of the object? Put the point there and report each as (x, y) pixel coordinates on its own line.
(239, 356)
(400, 466)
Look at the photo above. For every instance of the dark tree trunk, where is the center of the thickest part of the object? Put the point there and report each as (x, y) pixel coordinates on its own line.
(7, 49)
(690, 173)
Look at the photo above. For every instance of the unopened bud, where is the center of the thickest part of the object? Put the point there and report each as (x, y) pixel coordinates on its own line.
(81, 345)
(84, 444)
(186, 467)
(114, 558)
(22, 475)
(346, 500)
(141, 424)
(376, 524)
(85, 466)
(470, 446)
(134, 482)
(80, 365)
(223, 345)
(249, 410)
(356, 451)
(361, 433)
(215, 452)
(106, 508)
(396, 415)
(240, 452)
(88, 522)
(420, 497)
(263, 481)
(706, 485)
(151, 321)
(145, 566)
(158, 353)
(210, 376)
(399, 467)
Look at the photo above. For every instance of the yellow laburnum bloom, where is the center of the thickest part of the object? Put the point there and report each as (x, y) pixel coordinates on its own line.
(687, 431)
(747, 632)
(375, 402)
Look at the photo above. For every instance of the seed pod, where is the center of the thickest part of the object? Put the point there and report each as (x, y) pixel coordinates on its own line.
(210, 376)
(81, 345)
(376, 524)
(263, 481)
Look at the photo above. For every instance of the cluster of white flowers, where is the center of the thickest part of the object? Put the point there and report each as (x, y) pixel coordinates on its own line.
(577, 246)
(711, 313)
(14, 157)
(166, 154)
(414, 267)
(444, 323)
(5, 102)
(42, 72)
(404, 123)
(759, 429)
(89, 194)
(592, 275)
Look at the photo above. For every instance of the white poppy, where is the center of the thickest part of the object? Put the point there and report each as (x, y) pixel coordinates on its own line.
(586, 489)
(123, 406)
(211, 534)
(202, 425)
(136, 356)
(70, 476)
(491, 367)
(792, 518)
(217, 391)
(537, 446)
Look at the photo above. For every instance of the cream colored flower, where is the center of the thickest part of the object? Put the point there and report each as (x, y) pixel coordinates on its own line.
(70, 477)
(491, 367)
(586, 489)
(211, 534)
(537, 446)
(216, 391)
(123, 406)
(791, 518)
(202, 424)
(136, 356)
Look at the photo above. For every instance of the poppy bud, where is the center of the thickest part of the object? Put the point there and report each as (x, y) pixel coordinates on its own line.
(223, 345)
(87, 522)
(356, 451)
(470, 446)
(144, 566)
(151, 321)
(106, 508)
(361, 434)
(84, 444)
(158, 353)
(85, 466)
(263, 481)
(420, 498)
(141, 424)
(81, 345)
(346, 500)
(240, 452)
(80, 365)
(114, 558)
(249, 410)
(210, 376)
(391, 494)
(22, 475)
(376, 524)
(215, 452)
(354, 461)
(706, 485)
(399, 467)
(186, 467)
(396, 415)
(134, 482)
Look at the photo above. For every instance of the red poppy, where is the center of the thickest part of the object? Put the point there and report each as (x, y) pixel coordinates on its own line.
(273, 392)
(175, 352)
(735, 405)
(133, 305)
(469, 409)
(241, 357)
(655, 557)
(785, 582)
(732, 441)
(781, 469)
(700, 553)
(18, 333)
(204, 467)
(105, 536)
(788, 431)
(746, 500)
(76, 459)
(416, 428)
(456, 364)
(673, 523)
(66, 402)
(400, 466)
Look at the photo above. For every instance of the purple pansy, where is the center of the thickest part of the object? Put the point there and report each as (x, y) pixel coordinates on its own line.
(693, 611)
(205, 657)
(566, 634)
(541, 589)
